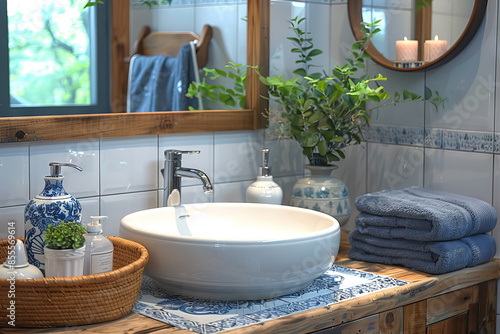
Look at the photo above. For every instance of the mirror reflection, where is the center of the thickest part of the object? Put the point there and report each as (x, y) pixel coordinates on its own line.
(172, 29)
(415, 33)
(102, 123)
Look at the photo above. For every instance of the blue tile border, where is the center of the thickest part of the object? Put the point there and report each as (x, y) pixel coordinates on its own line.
(205, 316)
(394, 135)
(496, 146)
(460, 140)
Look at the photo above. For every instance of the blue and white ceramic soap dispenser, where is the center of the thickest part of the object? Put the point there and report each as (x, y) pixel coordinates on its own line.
(52, 206)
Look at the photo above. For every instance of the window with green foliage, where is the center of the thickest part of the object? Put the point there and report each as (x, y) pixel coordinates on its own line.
(53, 58)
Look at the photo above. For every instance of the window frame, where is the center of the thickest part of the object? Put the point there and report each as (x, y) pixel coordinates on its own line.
(102, 73)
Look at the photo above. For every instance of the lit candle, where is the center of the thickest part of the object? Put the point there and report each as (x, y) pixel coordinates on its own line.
(407, 50)
(434, 48)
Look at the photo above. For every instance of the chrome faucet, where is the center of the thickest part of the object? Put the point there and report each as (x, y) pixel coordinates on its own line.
(172, 174)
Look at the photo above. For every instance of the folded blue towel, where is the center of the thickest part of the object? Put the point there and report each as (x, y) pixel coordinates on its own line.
(160, 83)
(431, 257)
(423, 214)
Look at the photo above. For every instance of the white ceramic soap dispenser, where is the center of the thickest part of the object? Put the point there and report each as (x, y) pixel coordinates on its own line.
(98, 249)
(264, 190)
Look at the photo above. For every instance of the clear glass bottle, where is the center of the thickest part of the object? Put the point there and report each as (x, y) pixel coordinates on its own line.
(98, 249)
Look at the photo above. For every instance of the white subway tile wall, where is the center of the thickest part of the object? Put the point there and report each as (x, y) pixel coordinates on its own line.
(394, 167)
(237, 155)
(83, 153)
(465, 173)
(12, 214)
(128, 164)
(118, 206)
(231, 191)
(14, 174)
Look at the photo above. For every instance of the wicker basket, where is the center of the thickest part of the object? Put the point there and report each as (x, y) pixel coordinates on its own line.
(81, 300)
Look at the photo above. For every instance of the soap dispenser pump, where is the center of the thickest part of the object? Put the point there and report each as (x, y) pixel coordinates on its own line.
(52, 206)
(264, 190)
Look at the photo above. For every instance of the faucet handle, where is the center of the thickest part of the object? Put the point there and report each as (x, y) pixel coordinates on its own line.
(177, 154)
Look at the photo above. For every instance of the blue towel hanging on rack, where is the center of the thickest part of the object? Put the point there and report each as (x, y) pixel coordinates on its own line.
(160, 83)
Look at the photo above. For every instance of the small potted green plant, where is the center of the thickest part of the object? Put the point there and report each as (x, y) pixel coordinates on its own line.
(64, 250)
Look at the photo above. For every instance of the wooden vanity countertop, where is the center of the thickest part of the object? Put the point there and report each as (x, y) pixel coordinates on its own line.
(423, 286)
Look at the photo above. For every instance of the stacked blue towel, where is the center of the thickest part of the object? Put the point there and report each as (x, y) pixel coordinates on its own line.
(437, 257)
(428, 230)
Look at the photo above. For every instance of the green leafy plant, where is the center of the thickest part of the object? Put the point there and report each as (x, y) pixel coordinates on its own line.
(64, 236)
(326, 113)
(226, 97)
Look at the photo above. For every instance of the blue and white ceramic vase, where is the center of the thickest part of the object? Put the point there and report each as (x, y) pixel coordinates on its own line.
(52, 206)
(322, 192)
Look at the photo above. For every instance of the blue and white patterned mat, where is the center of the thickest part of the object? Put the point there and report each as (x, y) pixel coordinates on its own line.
(206, 316)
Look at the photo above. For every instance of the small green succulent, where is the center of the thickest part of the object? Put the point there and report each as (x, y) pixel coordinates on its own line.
(64, 236)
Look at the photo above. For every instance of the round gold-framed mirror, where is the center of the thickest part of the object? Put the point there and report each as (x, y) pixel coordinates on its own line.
(421, 34)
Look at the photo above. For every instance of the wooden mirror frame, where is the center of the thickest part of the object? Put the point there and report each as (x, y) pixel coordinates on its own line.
(476, 18)
(38, 128)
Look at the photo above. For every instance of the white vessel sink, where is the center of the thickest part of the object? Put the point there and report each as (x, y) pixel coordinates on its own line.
(234, 251)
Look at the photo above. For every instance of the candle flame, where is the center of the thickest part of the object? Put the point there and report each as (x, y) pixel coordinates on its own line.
(436, 38)
(406, 38)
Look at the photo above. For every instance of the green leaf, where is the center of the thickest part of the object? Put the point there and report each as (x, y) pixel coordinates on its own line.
(328, 134)
(314, 52)
(293, 39)
(409, 95)
(356, 138)
(356, 46)
(337, 139)
(396, 96)
(308, 139)
(227, 99)
(307, 104)
(332, 157)
(301, 72)
(322, 148)
(427, 93)
(315, 117)
(275, 80)
(307, 151)
(340, 153)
